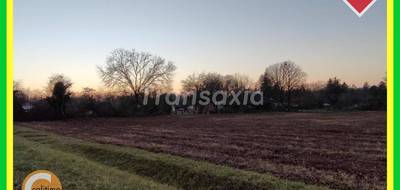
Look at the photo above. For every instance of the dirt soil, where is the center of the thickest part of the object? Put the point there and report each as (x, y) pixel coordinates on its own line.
(345, 150)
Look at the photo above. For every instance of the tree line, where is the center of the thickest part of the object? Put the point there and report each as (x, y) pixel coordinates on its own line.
(136, 75)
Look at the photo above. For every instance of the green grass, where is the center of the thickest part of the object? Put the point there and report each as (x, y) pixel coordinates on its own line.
(85, 165)
(74, 171)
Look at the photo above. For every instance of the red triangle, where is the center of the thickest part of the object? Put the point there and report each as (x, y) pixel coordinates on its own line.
(359, 5)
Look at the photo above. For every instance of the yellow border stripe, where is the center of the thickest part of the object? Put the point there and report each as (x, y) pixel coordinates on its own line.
(390, 94)
(10, 82)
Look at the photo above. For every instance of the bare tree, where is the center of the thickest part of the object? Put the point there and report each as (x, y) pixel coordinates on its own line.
(286, 77)
(192, 83)
(212, 82)
(237, 82)
(137, 72)
(205, 81)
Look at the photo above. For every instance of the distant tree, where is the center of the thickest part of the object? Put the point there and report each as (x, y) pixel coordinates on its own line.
(212, 82)
(192, 83)
(334, 89)
(19, 98)
(55, 79)
(285, 78)
(137, 71)
(88, 99)
(237, 82)
(377, 96)
(60, 95)
(382, 85)
(266, 87)
(382, 94)
(366, 86)
(88, 92)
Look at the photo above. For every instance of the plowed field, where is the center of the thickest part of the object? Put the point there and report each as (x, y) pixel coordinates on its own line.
(339, 150)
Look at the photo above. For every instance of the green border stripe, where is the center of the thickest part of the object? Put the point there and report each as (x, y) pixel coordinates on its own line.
(396, 72)
(3, 90)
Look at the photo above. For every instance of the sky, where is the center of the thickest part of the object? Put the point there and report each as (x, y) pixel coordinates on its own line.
(324, 37)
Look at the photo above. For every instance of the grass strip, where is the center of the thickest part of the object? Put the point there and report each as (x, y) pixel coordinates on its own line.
(75, 172)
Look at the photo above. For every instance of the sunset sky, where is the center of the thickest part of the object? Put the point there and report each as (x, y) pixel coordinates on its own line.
(324, 37)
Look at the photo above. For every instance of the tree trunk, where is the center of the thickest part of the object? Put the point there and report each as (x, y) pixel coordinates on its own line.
(289, 99)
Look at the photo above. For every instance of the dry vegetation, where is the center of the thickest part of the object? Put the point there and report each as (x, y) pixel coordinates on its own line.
(341, 150)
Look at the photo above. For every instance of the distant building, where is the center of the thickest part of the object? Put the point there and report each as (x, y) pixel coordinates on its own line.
(27, 107)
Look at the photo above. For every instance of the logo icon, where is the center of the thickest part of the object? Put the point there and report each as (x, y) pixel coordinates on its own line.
(359, 6)
(41, 179)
